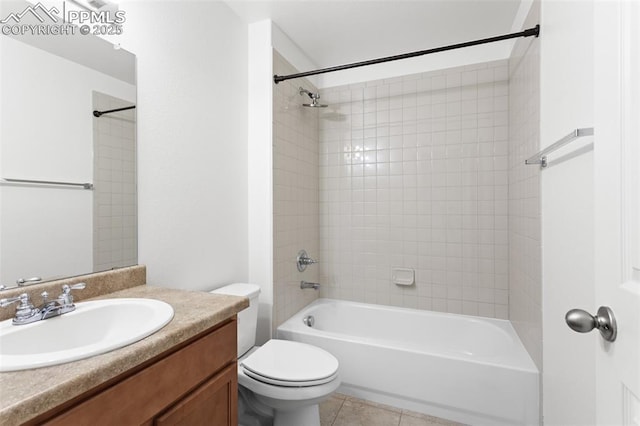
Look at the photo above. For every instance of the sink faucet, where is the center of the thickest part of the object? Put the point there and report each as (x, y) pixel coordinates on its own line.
(305, 284)
(26, 313)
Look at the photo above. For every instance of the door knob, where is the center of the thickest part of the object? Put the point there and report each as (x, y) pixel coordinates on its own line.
(583, 322)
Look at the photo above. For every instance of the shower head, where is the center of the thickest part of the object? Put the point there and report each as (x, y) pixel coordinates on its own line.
(314, 104)
(314, 99)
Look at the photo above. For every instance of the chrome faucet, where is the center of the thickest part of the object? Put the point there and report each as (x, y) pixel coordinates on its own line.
(26, 313)
(305, 284)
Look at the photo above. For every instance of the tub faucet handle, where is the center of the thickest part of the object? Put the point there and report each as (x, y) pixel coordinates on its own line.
(303, 260)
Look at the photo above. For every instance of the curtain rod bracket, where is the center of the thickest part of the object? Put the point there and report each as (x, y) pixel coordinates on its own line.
(531, 32)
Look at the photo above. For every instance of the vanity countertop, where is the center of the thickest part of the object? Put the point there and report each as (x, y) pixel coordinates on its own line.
(29, 393)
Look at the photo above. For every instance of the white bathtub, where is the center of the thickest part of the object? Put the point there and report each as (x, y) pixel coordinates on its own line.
(469, 369)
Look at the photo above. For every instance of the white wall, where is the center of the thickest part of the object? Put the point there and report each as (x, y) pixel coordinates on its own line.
(263, 38)
(566, 60)
(260, 171)
(433, 62)
(46, 133)
(292, 53)
(192, 132)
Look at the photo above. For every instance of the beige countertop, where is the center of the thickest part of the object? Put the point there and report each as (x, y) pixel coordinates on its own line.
(29, 393)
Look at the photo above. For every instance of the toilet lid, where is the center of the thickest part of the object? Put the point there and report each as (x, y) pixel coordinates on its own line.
(287, 363)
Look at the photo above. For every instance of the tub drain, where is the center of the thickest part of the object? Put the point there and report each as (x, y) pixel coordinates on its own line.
(309, 320)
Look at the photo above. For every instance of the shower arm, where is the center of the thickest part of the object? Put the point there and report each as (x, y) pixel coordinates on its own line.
(308, 93)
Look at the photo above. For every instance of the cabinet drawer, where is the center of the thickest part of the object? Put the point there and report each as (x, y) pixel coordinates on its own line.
(140, 397)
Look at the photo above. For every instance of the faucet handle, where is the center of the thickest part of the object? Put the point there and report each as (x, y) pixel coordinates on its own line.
(303, 260)
(24, 310)
(67, 288)
(66, 297)
(23, 299)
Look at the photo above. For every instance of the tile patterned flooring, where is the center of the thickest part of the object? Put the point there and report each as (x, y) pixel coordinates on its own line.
(343, 410)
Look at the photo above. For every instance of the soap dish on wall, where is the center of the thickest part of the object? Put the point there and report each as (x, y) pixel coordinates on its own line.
(403, 276)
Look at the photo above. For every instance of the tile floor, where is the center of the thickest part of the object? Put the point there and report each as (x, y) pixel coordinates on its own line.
(343, 410)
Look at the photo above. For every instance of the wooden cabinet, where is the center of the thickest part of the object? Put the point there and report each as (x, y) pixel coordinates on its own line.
(213, 403)
(196, 384)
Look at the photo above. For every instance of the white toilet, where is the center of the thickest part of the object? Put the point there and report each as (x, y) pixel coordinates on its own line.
(281, 382)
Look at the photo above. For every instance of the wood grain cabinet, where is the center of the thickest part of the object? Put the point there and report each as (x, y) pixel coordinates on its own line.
(213, 403)
(195, 384)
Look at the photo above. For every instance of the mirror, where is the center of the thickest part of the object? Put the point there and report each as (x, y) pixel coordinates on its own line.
(67, 178)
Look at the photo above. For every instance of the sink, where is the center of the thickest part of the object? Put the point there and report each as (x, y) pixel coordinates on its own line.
(94, 328)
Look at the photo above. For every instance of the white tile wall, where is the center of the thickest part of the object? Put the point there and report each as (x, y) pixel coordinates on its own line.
(295, 192)
(525, 260)
(414, 173)
(115, 212)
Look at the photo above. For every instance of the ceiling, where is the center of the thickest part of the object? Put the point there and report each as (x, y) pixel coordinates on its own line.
(333, 32)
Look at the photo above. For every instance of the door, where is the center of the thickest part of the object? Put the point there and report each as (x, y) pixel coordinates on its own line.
(617, 211)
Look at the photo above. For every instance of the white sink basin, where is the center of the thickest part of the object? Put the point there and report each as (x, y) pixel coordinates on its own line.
(93, 328)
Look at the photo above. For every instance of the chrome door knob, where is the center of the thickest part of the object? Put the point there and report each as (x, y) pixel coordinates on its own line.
(583, 322)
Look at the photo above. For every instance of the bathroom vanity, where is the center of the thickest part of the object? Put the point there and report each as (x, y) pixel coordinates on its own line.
(186, 373)
(196, 384)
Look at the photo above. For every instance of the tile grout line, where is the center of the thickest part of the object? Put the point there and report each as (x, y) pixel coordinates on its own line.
(401, 413)
(338, 412)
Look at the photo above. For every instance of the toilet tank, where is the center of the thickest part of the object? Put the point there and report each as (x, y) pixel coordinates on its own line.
(248, 318)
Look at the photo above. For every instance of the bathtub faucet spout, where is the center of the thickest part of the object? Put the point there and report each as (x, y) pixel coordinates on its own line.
(305, 284)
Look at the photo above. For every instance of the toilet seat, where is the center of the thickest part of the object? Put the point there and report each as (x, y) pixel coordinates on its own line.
(275, 382)
(286, 394)
(290, 364)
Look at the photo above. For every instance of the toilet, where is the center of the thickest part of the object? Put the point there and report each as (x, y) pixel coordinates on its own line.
(281, 382)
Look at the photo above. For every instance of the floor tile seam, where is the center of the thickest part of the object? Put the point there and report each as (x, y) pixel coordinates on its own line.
(338, 412)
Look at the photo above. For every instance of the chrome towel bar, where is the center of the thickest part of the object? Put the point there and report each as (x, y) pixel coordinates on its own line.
(48, 182)
(541, 157)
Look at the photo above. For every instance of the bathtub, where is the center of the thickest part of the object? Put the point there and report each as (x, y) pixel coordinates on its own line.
(469, 369)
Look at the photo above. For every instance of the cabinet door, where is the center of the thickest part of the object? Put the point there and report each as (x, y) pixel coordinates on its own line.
(149, 392)
(213, 403)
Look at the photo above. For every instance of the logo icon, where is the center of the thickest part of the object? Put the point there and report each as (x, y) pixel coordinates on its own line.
(39, 7)
(97, 17)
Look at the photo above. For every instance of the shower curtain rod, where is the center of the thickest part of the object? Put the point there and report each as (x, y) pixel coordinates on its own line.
(535, 31)
(99, 113)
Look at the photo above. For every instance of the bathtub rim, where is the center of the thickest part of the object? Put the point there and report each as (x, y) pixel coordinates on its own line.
(295, 324)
